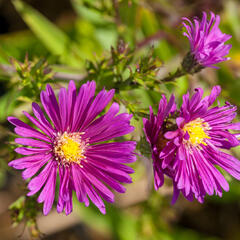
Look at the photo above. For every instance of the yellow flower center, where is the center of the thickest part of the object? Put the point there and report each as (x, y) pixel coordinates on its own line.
(197, 131)
(69, 148)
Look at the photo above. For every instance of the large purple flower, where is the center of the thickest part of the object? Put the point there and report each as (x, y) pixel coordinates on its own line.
(69, 146)
(194, 149)
(206, 40)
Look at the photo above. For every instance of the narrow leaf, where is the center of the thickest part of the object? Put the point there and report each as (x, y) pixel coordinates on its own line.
(51, 36)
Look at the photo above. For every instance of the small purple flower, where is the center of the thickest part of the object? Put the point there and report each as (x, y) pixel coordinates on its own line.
(69, 145)
(192, 151)
(206, 40)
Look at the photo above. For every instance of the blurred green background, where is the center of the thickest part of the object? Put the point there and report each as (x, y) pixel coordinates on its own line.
(111, 42)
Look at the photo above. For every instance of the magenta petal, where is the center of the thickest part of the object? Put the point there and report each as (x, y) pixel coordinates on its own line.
(118, 126)
(175, 194)
(33, 143)
(108, 180)
(104, 192)
(234, 126)
(214, 94)
(98, 104)
(158, 177)
(49, 107)
(37, 182)
(45, 125)
(83, 101)
(65, 191)
(23, 132)
(171, 134)
(48, 193)
(28, 161)
(119, 175)
(94, 197)
(34, 168)
(100, 124)
(78, 183)
(120, 152)
(180, 121)
(29, 151)
(63, 107)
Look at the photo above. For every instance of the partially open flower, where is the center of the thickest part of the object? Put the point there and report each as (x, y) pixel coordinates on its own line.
(70, 145)
(207, 42)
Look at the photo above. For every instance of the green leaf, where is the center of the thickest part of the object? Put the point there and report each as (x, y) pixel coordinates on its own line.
(54, 39)
(7, 104)
(148, 21)
(4, 58)
(88, 14)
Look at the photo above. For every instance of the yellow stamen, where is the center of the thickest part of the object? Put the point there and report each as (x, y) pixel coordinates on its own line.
(197, 131)
(69, 148)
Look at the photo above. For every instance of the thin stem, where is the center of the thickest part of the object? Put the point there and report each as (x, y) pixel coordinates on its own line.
(172, 76)
(189, 65)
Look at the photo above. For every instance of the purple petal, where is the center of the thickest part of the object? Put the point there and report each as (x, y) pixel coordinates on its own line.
(94, 197)
(37, 182)
(33, 143)
(48, 193)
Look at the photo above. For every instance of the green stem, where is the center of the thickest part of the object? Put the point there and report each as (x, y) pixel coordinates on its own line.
(172, 76)
(189, 65)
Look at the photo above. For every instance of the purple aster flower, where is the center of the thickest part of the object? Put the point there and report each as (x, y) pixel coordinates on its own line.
(69, 145)
(206, 40)
(192, 151)
(154, 130)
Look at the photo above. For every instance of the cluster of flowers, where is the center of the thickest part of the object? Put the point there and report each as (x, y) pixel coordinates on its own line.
(74, 144)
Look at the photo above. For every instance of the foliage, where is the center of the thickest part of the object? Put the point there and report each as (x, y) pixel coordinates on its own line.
(25, 209)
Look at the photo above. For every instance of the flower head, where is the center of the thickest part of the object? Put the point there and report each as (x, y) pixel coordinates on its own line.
(69, 146)
(206, 40)
(193, 149)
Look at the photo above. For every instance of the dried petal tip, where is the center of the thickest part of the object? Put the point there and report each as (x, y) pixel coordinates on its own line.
(206, 40)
